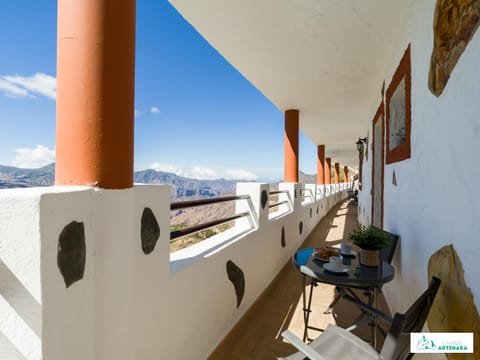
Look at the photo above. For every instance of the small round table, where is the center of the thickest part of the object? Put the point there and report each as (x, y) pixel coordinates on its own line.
(356, 276)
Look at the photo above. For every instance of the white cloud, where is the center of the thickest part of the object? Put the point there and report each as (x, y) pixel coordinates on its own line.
(11, 90)
(240, 175)
(165, 167)
(193, 172)
(137, 113)
(198, 172)
(154, 110)
(203, 173)
(33, 158)
(29, 86)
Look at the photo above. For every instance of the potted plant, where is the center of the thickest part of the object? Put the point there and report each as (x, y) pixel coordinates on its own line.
(370, 240)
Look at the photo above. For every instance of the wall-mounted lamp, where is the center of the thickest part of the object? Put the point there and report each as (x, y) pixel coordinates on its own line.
(360, 143)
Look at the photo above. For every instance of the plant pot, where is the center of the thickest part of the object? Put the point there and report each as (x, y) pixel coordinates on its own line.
(369, 257)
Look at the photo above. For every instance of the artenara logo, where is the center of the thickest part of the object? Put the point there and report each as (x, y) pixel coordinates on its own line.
(441, 342)
(426, 344)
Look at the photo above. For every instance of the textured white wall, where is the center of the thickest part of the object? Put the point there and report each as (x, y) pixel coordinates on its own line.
(68, 313)
(436, 201)
(20, 287)
(203, 300)
(132, 305)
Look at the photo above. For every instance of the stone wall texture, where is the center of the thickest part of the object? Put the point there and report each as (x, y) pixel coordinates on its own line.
(454, 24)
(453, 309)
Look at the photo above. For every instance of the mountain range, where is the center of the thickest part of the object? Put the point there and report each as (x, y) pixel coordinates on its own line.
(12, 177)
(180, 187)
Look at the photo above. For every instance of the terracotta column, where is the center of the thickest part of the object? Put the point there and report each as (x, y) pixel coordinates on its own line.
(345, 174)
(291, 146)
(328, 175)
(336, 173)
(320, 164)
(95, 93)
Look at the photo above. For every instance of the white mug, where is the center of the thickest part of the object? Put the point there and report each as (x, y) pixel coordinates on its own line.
(346, 248)
(336, 262)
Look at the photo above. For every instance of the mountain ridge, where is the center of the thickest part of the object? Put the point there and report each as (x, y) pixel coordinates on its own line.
(180, 187)
(13, 177)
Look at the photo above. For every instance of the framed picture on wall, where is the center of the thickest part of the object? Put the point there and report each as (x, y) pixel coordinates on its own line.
(398, 112)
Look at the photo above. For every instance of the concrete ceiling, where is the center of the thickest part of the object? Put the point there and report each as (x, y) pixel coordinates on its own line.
(326, 58)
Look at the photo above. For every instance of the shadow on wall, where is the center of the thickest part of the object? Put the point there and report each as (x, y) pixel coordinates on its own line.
(25, 311)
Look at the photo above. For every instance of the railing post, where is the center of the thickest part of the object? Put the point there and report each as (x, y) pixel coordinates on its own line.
(320, 192)
(294, 193)
(258, 204)
(310, 192)
(328, 197)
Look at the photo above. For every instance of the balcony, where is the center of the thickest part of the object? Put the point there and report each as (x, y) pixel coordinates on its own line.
(257, 334)
(63, 271)
(86, 271)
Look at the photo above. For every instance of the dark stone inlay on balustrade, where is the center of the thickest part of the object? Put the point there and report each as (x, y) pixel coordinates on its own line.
(149, 231)
(71, 252)
(317, 210)
(264, 198)
(236, 276)
(311, 212)
(300, 227)
(282, 240)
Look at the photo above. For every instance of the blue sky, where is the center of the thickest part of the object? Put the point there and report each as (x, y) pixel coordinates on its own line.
(195, 115)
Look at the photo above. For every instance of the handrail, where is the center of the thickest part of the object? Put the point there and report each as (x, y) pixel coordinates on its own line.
(195, 228)
(200, 202)
(277, 204)
(192, 203)
(275, 192)
(307, 194)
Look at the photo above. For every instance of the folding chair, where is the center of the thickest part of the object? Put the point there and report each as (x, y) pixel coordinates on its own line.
(338, 343)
